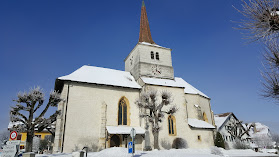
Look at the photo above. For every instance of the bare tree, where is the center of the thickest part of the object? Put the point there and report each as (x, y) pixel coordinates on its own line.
(262, 22)
(271, 72)
(261, 19)
(25, 111)
(153, 110)
(263, 141)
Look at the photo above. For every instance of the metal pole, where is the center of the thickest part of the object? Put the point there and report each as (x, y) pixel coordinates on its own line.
(133, 146)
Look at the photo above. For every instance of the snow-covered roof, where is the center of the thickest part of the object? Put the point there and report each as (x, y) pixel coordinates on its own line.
(104, 76)
(124, 129)
(219, 121)
(12, 124)
(261, 130)
(154, 45)
(199, 124)
(177, 82)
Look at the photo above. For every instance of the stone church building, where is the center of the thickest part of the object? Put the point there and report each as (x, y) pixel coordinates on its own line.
(99, 107)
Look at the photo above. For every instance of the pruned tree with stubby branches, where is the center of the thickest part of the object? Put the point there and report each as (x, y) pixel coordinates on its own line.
(26, 116)
(154, 110)
(262, 23)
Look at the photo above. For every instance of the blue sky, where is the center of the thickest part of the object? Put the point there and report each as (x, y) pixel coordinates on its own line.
(42, 40)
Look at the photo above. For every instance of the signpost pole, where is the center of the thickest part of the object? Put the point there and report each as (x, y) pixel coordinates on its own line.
(133, 134)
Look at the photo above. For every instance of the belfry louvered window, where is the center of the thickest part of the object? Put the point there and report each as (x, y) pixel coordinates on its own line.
(152, 54)
(157, 56)
(122, 112)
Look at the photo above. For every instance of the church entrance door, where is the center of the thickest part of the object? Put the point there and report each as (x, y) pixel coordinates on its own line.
(114, 141)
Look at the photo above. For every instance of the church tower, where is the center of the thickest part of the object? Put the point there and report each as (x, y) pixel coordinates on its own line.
(148, 59)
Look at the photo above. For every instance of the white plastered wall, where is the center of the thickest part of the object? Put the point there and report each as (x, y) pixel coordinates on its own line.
(83, 120)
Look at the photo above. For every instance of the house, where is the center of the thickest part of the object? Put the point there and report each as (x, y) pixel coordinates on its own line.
(231, 129)
(22, 136)
(260, 136)
(99, 108)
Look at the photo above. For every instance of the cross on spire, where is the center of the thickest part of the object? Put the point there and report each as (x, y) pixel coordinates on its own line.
(145, 34)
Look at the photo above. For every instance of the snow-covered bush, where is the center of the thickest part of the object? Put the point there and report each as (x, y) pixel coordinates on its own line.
(179, 143)
(91, 143)
(75, 148)
(240, 145)
(165, 144)
(216, 151)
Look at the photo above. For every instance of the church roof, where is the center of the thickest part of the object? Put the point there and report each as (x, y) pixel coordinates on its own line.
(103, 76)
(177, 82)
(145, 34)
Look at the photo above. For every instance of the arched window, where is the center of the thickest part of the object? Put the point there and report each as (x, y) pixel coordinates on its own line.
(157, 56)
(122, 112)
(205, 117)
(152, 54)
(171, 122)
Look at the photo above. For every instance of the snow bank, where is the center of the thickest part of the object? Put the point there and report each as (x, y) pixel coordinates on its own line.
(123, 152)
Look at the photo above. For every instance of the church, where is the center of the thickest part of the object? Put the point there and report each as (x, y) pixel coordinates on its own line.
(99, 107)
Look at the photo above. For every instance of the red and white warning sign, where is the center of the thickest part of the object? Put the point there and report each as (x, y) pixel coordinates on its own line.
(13, 135)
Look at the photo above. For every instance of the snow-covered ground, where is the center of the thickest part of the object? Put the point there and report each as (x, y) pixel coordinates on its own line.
(123, 152)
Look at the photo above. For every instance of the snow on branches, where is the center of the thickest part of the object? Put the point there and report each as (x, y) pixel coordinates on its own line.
(25, 111)
(153, 110)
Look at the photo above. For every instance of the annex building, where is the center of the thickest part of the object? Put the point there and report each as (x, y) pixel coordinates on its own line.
(101, 102)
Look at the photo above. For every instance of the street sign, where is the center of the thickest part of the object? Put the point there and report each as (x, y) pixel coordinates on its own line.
(13, 135)
(9, 151)
(130, 147)
(133, 133)
(15, 142)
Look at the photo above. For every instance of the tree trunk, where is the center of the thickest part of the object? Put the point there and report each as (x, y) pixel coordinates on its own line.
(29, 141)
(156, 140)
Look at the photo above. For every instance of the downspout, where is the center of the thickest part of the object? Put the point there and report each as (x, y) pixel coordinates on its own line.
(186, 108)
(62, 147)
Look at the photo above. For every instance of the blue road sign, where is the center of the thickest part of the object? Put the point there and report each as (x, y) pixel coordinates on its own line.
(130, 147)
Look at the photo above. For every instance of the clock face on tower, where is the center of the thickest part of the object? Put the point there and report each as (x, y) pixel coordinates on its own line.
(156, 70)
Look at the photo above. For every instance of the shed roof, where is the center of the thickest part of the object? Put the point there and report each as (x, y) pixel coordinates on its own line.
(199, 124)
(124, 129)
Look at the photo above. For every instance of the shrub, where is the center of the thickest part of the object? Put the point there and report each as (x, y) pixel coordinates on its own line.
(165, 144)
(219, 141)
(179, 143)
(240, 145)
(216, 151)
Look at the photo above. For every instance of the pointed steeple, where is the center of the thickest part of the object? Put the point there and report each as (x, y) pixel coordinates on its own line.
(145, 34)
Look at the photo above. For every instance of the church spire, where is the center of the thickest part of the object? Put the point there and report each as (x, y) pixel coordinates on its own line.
(145, 34)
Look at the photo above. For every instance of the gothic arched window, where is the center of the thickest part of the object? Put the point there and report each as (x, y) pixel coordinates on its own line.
(171, 122)
(152, 54)
(122, 112)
